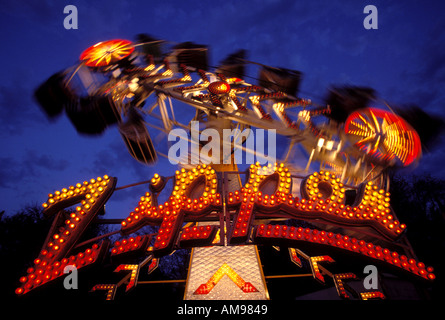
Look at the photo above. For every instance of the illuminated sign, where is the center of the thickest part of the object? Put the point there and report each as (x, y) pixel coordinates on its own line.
(210, 210)
(196, 197)
(225, 269)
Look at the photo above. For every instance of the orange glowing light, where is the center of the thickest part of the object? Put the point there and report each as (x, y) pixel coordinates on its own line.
(372, 295)
(110, 288)
(219, 87)
(384, 135)
(225, 269)
(134, 270)
(266, 191)
(315, 269)
(105, 53)
(294, 235)
(339, 283)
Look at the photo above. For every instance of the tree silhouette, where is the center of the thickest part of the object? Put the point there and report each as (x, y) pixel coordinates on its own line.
(420, 203)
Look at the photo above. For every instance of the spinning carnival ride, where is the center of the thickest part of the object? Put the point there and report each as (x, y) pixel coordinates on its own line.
(142, 88)
(119, 79)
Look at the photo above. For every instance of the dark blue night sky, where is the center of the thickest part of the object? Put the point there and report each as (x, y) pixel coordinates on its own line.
(403, 60)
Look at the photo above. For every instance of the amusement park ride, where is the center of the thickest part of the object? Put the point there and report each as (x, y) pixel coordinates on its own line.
(335, 203)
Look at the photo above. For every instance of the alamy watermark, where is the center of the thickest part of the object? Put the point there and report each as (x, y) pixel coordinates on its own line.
(224, 146)
(371, 281)
(71, 20)
(70, 281)
(371, 20)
